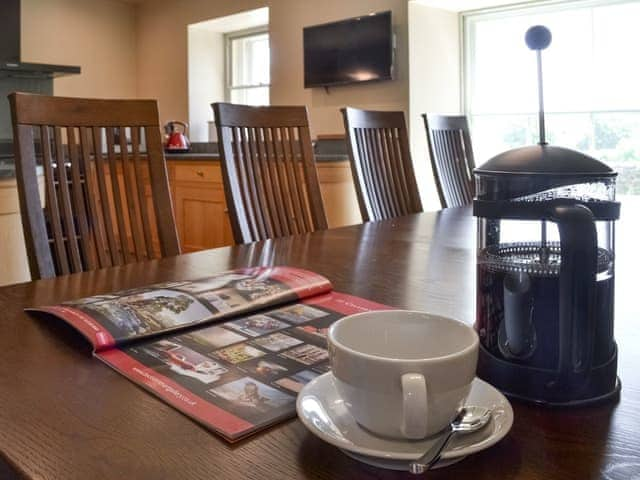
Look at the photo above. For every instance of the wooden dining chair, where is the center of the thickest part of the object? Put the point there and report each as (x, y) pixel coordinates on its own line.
(381, 164)
(269, 173)
(96, 155)
(451, 158)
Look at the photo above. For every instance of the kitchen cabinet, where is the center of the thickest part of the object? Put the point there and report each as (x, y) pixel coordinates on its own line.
(201, 212)
(199, 205)
(338, 193)
(13, 254)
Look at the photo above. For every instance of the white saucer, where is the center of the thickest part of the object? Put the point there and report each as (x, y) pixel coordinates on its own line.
(324, 413)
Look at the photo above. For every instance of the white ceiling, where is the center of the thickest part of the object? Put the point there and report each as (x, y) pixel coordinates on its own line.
(464, 5)
(237, 21)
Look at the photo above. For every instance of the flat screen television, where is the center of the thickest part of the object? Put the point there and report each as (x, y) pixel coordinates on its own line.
(354, 50)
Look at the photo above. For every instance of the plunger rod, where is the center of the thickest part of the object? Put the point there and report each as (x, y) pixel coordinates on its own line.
(544, 252)
(543, 139)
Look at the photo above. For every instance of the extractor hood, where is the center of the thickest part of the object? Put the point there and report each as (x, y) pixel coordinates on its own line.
(11, 64)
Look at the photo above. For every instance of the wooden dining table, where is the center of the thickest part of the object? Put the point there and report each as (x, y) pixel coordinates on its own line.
(65, 415)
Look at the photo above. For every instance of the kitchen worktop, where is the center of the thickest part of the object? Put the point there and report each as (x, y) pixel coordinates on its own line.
(324, 151)
(216, 156)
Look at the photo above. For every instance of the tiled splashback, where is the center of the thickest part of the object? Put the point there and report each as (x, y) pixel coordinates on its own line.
(11, 84)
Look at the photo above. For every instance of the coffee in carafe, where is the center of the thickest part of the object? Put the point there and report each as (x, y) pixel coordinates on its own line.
(545, 271)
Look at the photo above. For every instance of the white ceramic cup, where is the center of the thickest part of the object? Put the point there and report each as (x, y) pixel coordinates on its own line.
(402, 374)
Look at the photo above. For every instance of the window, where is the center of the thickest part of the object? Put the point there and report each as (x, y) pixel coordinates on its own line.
(248, 67)
(591, 81)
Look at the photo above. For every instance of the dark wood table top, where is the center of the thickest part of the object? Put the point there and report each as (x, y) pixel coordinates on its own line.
(65, 415)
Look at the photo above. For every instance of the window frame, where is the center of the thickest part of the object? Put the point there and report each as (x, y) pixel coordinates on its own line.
(228, 57)
(466, 27)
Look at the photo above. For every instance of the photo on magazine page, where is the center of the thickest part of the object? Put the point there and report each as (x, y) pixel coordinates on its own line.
(171, 306)
(244, 374)
(250, 367)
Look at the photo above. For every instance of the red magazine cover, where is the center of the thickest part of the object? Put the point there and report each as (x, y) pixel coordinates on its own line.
(231, 350)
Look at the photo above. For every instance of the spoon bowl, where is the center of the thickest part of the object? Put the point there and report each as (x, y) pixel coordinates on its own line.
(472, 420)
(468, 420)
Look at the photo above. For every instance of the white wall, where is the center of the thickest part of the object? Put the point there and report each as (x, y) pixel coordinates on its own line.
(97, 35)
(206, 79)
(162, 55)
(206, 64)
(434, 83)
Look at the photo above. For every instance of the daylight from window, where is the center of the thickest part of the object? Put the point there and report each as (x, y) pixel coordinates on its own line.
(591, 83)
(249, 69)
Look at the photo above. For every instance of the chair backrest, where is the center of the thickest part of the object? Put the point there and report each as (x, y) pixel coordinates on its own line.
(97, 213)
(269, 173)
(381, 164)
(451, 158)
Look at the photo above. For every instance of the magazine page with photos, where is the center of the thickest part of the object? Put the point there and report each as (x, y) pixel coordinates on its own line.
(118, 318)
(242, 375)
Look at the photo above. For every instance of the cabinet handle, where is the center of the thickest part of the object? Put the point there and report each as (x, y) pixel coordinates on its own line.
(200, 173)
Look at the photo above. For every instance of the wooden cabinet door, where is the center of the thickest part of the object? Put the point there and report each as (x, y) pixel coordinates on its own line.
(200, 207)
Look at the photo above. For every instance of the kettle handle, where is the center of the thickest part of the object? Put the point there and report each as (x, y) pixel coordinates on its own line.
(185, 126)
(577, 303)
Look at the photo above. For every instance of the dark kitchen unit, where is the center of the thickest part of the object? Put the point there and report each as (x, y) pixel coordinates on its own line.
(18, 75)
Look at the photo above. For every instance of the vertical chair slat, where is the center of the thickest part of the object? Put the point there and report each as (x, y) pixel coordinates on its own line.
(254, 195)
(296, 170)
(131, 197)
(117, 197)
(391, 170)
(310, 177)
(97, 224)
(261, 185)
(244, 188)
(139, 186)
(363, 160)
(281, 167)
(33, 221)
(374, 161)
(289, 165)
(114, 251)
(458, 148)
(79, 189)
(407, 176)
(444, 167)
(270, 183)
(280, 197)
(65, 197)
(453, 166)
(398, 170)
(386, 175)
(407, 165)
(52, 202)
(162, 206)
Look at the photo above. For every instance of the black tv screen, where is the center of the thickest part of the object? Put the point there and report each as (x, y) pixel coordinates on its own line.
(355, 50)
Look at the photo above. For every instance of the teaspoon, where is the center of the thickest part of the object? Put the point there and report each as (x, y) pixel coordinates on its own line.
(468, 420)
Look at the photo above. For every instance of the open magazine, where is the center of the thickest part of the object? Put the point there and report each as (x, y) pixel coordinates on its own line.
(230, 351)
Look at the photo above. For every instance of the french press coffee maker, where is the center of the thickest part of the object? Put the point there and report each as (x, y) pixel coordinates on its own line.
(545, 270)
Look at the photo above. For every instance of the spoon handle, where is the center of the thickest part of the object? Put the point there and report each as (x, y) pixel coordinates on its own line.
(432, 455)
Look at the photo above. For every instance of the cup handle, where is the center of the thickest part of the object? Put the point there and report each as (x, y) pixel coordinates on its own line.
(414, 406)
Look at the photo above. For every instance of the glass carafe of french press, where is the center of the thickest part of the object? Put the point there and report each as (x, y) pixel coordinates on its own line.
(545, 271)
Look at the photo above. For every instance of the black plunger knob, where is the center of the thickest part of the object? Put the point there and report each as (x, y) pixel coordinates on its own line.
(538, 37)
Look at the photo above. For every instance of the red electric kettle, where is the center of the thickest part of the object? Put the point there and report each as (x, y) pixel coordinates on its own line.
(176, 141)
